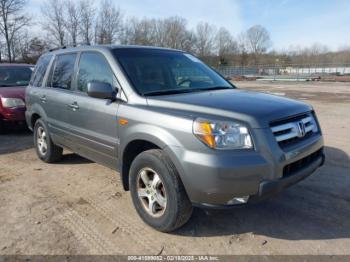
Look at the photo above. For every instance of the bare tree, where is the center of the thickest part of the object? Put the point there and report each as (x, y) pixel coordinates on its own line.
(109, 24)
(12, 21)
(1, 50)
(126, 34)
(242, 49)
(140, 32)
(225, 45)
(317, 49)
(72, 20)
(189, 40)
(173, 32)
(32, 48)
(54, 24)
(87, 19)
(205, 35)
(169, 32)
(20, 42)
(258, 40)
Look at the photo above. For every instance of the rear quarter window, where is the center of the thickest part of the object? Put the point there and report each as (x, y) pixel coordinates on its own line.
(40, 70)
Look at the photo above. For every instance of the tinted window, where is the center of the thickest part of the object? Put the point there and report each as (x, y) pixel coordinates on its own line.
(63, 71)
(40, 70)
(183, 72)
(14, 76)
(154, 72)
(93, 67)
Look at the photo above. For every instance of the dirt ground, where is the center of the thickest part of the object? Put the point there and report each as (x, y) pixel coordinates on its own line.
(79, 207)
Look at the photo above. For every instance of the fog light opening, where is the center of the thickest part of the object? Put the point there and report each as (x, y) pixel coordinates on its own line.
(238, 200)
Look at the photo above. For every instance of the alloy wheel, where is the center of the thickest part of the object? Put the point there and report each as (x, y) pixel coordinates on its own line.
(151, 192)
(42, 140)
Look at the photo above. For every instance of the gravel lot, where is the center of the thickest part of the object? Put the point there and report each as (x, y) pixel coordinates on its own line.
(79, 207)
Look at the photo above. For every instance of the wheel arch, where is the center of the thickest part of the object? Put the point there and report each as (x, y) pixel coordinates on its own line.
(135, 140)
(36, 112)
(33, 119)
(130, 152)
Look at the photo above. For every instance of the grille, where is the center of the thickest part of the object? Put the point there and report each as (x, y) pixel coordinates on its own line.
(294, 167)
(295, 129)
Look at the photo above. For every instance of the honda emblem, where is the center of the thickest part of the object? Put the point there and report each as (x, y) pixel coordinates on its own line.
(301, 129)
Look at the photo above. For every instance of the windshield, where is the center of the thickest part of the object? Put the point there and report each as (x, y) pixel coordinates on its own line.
(14, 76)
(161, 72)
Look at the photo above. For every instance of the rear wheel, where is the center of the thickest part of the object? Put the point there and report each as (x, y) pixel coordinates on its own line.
(157, 191)
(45, 148)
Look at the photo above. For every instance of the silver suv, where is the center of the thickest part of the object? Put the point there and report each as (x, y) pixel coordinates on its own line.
(179, 134)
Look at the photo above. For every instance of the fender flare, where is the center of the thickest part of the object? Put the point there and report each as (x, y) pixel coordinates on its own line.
(36, 109)
(155, 135)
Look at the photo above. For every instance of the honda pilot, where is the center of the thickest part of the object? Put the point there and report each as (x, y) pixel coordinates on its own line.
(178, 133)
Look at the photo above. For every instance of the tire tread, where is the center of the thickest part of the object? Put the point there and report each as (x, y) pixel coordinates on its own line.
(184, 203)
(183, 210)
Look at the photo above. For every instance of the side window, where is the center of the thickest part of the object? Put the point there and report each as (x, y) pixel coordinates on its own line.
(63, 71)
(40, 70)
(93, 67)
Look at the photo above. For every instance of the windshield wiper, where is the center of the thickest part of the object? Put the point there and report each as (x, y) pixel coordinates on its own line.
(168, 92)
(187, 90)
(213, 88)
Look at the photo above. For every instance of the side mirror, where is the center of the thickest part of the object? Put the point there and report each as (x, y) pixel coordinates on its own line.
(101, 90)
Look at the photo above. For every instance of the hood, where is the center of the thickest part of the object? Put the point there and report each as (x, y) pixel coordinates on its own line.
(258, 109)
(13, 92)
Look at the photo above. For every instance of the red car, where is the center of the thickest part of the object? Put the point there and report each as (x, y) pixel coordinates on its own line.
(13, 81)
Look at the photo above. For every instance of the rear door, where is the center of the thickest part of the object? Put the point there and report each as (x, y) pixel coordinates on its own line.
(59, 92)
(94, 121)
(36, 93)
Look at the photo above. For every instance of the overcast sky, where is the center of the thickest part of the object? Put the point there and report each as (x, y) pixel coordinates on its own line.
(290, 22)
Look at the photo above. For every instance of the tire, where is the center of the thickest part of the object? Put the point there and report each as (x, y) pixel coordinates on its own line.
(46, 150)
(172, 208)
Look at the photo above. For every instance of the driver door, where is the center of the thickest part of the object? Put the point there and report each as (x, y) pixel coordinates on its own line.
(93, 120)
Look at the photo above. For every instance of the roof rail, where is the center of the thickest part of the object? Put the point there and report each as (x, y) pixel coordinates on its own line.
(57, 48)
(65, 47)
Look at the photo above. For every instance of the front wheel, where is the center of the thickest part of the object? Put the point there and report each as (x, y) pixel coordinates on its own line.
(157, 191)
(46, 150)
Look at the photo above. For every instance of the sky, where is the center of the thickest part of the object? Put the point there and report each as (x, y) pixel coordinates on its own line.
(290, 22)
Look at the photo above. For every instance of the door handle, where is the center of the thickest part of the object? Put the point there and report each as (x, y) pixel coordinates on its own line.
(74, 106)
(43, 99)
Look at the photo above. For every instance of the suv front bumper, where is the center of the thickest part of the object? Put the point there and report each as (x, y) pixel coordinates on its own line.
(270, 188)
(214, 178)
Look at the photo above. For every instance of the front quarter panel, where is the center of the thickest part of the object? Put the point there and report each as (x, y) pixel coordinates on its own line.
(163, 129)
(156, 127)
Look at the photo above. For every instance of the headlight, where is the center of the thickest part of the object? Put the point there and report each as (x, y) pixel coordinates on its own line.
(222, 134)
(12, 102)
